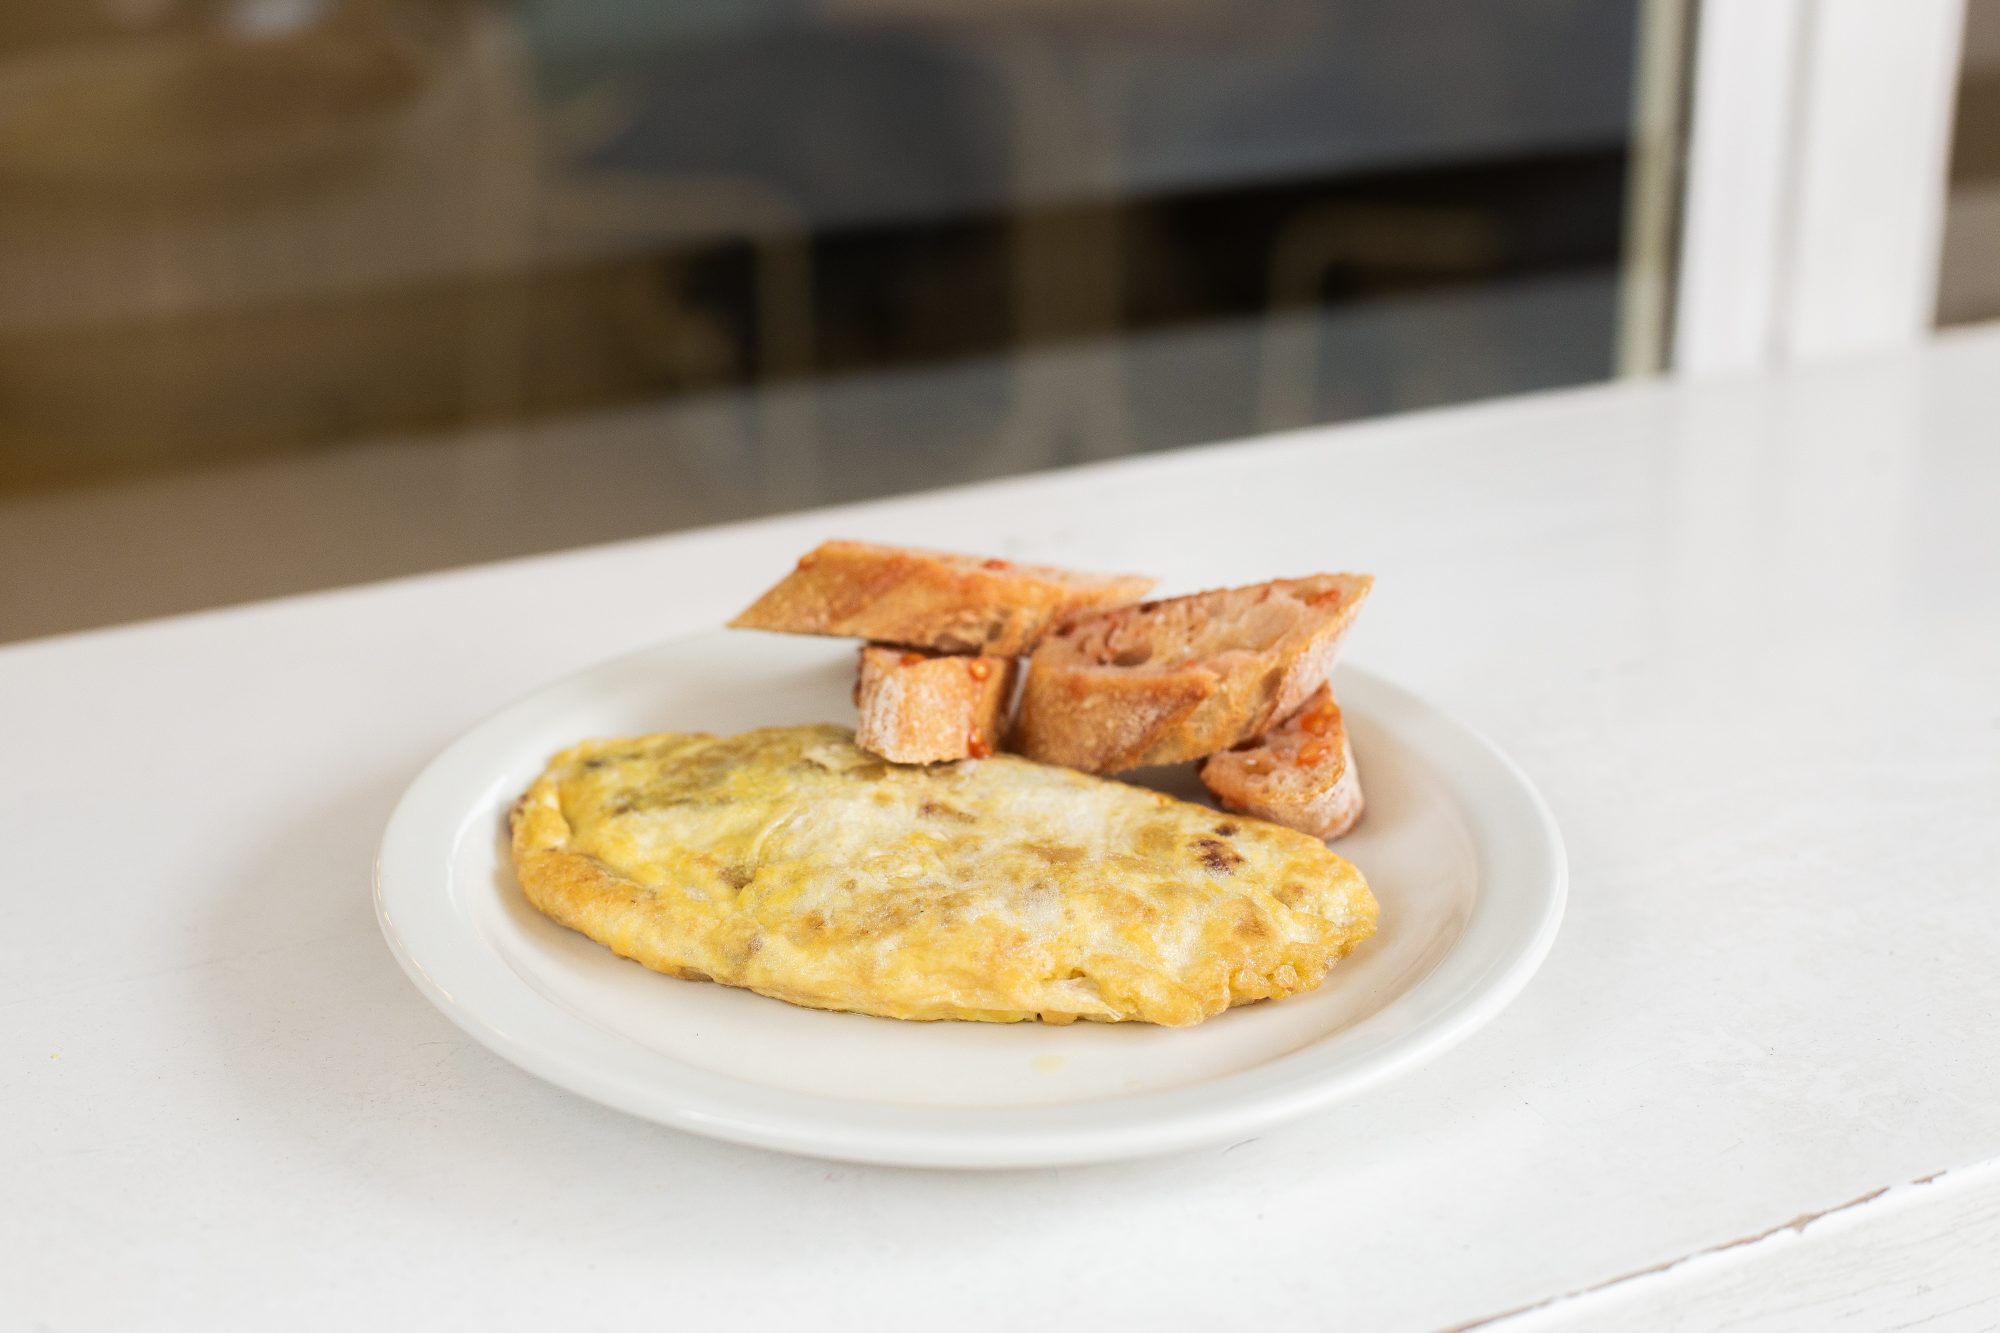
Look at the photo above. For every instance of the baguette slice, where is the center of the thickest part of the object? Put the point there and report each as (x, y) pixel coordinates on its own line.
(920, 709)
(1301, 775)
(1173, 680)
(930, 599)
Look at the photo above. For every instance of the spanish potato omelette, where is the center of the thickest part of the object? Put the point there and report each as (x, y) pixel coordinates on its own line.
(790, 862)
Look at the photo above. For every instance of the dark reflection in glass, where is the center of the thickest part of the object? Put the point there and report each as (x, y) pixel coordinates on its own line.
(477, 279)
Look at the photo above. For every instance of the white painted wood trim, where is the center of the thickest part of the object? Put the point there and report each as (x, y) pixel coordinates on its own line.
(1734, 209)
(1874, 143)
(1895, 1258)
(1814, 204)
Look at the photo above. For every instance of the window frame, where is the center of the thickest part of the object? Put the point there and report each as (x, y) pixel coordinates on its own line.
(1813, 208)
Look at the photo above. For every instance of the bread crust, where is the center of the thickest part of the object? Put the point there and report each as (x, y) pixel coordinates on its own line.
(931, 599)
(1179, 679)
(921, 708)
(1301, 775)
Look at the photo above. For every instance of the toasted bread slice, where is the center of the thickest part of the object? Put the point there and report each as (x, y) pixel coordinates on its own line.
(1301, 775)
(916, 708)
(930, 599)
(1179, 679)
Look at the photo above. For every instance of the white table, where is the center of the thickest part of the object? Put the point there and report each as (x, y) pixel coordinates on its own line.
(1746, 636)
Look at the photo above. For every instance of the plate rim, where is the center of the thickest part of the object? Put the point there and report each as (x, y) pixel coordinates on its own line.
(1521, 845)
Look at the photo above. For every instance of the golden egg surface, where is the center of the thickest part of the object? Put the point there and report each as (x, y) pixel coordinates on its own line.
(792, 863)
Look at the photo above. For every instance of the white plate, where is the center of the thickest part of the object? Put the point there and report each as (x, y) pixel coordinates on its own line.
(1458, 847)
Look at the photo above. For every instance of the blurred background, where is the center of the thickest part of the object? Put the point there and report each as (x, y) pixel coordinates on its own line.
(299, 293)
(1969, 287)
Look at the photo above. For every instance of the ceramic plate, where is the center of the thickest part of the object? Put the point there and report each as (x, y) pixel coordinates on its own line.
(1459, 849)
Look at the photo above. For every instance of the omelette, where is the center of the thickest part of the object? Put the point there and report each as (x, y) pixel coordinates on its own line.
(790, 862)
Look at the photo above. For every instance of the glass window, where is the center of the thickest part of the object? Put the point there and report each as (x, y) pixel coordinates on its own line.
(296, 293)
